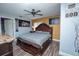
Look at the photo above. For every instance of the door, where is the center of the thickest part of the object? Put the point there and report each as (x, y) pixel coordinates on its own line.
(2, 26)
(9, 28)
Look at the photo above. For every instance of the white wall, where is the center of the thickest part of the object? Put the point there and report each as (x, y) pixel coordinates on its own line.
(67, 30)
(22, 30)
(0, 25)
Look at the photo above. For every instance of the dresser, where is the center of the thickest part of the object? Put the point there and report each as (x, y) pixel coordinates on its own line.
(6, 47)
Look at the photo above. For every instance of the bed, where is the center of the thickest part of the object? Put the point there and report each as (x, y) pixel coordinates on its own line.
(36, 42)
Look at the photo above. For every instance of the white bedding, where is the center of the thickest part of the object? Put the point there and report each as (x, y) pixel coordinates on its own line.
(37, 37)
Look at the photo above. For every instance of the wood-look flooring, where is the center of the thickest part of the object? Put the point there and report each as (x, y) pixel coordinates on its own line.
(52, 50)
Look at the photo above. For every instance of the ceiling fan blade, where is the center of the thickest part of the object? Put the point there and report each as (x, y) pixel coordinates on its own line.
(27, 14)
(39, 14)
(21, 16)
(38, 11)
(27, 11)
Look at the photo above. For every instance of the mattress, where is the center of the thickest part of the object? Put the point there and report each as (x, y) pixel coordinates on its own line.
(36, 37)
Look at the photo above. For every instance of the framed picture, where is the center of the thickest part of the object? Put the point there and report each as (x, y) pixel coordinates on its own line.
(53, 21)
(24, 23)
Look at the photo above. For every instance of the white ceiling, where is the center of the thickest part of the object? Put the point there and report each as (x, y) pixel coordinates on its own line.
(17, 9)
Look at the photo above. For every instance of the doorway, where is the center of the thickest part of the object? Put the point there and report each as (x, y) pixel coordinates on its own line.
(7, 27)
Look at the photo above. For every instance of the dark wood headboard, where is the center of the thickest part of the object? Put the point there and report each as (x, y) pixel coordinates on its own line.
(44, 27)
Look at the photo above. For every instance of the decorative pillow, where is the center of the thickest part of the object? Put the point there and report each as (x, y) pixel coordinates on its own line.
(32, 31)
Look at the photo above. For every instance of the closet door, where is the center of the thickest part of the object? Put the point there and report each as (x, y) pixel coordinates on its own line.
(9, 29)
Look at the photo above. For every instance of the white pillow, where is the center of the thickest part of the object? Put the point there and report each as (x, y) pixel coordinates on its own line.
(42, 32)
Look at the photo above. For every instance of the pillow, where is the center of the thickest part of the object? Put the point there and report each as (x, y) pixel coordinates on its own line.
(42, 32)
(32, 31)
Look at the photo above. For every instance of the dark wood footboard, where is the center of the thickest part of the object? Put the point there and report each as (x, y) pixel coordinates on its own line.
(33, 50)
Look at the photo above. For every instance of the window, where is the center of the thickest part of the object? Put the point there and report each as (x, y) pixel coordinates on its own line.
(53, 21)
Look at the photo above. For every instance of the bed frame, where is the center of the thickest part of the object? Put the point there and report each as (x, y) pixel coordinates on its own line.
(33, 50)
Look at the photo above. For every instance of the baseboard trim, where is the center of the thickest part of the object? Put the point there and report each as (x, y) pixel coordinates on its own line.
(64, 54)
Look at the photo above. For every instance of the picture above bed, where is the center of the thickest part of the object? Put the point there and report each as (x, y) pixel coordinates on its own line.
(24, 23)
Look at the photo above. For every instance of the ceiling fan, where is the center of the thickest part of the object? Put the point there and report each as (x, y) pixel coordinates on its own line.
(33, 12)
